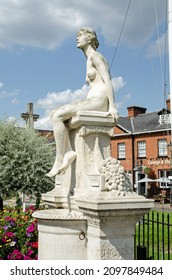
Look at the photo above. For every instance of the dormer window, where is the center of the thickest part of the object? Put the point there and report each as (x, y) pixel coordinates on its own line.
(164, 119)
(164, 116)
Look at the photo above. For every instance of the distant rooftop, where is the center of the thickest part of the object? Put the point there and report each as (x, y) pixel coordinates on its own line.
(138, 122)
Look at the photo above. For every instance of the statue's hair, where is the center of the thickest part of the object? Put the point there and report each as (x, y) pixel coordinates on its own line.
(92, 36)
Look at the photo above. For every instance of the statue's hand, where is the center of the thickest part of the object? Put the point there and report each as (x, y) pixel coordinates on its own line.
(114, 113)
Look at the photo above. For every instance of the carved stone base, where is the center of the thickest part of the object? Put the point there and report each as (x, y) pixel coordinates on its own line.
(99, 210)
(62, 235)
(102, 229)
(58, 197)
(111, 222)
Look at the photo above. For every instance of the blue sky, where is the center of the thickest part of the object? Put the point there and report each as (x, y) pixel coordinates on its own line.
(40, 63)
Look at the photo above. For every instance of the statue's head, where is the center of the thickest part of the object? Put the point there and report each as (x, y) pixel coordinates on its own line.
(92, 37)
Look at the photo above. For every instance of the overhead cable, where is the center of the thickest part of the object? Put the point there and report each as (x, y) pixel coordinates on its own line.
(120, 35)
(157, 29)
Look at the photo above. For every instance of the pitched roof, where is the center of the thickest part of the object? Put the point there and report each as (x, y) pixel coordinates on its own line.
(125, 123)
(142, 123)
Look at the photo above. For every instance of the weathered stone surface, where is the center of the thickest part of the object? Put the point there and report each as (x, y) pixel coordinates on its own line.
(95, 210)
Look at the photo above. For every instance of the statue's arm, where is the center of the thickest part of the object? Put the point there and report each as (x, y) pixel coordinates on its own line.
(102, 67)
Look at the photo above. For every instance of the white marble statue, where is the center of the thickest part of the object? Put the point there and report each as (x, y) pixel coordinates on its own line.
(99, 98)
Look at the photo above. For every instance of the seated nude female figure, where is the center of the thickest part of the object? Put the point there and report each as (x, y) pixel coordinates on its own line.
(99, 98)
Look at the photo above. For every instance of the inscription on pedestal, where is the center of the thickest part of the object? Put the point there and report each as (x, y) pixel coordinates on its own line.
(109, 252)
(64, 248)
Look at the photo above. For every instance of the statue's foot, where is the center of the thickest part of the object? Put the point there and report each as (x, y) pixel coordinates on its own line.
(53, 172)
(69, 157)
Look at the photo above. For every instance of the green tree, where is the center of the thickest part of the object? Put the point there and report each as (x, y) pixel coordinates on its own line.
(25, 158)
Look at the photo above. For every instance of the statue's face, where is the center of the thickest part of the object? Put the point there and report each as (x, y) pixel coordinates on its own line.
(82, 39)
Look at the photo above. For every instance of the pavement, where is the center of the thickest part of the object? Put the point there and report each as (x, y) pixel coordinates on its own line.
(12, 202)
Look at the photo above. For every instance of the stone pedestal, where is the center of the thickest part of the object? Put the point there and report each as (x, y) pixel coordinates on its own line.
(59, 197)
(92, 210)
(62, 235)
(90, 134)
(111, 223)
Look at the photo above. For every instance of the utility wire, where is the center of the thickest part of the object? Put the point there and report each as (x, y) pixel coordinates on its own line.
(164, 85)
(149, 57)
(165, 55)
(157, 29)
(114, 55)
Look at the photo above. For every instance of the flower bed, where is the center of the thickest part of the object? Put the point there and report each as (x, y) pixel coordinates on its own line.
(18, 235)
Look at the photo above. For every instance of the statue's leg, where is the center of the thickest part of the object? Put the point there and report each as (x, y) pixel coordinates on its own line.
(60, 139)
(64, 153)
(69, 157)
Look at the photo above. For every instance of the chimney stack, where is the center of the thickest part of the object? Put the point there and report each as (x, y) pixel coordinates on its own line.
(168, 104)
(134, 111)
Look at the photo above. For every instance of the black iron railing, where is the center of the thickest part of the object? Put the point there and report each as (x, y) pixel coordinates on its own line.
(153, 237)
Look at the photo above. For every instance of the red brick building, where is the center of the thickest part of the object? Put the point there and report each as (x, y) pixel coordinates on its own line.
(142, 143)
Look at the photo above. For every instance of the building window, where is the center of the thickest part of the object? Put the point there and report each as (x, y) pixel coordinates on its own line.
(165, 182)
(162, 148)
(141, 148)
(164, 119)
(121, 150)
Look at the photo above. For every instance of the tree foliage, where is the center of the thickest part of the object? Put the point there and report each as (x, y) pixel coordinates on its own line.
(25, 158)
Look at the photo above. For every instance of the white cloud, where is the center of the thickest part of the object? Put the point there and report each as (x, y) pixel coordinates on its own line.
(118, 83)
(5, 94)
(43, 123)
(48, 23)
(1, 84)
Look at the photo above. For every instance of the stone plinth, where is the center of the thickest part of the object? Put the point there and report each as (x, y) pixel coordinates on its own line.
(62, 235)
(59, 196)
(96, 210)
(102, 228)
(111, 223)
(90, 134)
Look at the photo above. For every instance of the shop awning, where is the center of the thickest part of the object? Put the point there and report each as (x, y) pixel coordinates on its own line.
(145, 180)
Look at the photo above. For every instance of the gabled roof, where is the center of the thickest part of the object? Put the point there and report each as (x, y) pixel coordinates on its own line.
(125, 124)
(142, 123)
(163, 111)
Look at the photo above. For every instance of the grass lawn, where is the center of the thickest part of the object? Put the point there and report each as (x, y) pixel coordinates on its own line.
(155, 233)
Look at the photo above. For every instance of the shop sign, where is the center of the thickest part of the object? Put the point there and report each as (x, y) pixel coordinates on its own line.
(159, 162)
